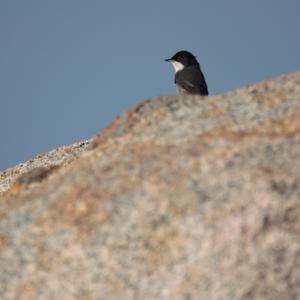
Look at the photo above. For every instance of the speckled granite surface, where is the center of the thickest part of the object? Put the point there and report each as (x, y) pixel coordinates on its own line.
(179, 198)
(41, 165)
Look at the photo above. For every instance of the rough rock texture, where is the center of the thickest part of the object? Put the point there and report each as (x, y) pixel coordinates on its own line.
(41, 166)
(179, 198)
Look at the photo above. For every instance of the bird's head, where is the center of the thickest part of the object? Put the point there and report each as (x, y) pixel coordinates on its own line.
(182, 59)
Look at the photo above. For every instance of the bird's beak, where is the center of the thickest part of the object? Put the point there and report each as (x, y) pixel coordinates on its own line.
(168, 59)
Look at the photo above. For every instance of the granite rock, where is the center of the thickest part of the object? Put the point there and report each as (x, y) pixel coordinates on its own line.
(181, 197)
(40, 166)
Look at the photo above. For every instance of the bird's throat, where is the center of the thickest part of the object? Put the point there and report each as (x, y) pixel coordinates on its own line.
(177, 65)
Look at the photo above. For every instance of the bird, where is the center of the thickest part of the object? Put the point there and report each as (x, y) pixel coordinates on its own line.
(189, 78)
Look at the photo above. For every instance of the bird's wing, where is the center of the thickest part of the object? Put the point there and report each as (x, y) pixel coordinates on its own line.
(192, 81)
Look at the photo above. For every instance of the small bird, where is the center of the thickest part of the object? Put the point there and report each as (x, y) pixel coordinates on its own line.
(189, 78)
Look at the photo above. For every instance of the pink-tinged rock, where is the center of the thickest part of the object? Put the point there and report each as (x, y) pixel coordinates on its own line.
(179, 198)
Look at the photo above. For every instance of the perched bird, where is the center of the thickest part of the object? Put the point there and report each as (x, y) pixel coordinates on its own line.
(189, 78)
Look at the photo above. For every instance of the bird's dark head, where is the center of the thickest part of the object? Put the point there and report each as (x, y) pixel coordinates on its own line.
(183, 59)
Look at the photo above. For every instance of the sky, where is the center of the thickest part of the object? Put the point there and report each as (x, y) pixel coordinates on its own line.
(69, 67)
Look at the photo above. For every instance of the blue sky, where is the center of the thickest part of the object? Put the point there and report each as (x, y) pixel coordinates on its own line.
(69, 67)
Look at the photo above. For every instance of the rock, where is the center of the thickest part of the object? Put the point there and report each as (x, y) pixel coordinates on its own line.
(42, 163)
(179, 198)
